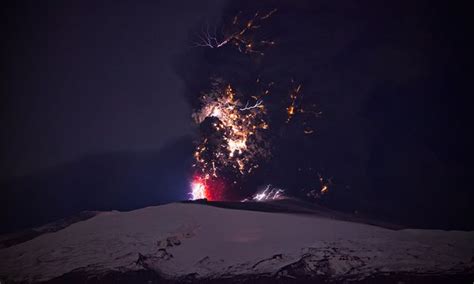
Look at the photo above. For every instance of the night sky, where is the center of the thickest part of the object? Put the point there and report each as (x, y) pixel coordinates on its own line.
(85, 78)
(97, 102)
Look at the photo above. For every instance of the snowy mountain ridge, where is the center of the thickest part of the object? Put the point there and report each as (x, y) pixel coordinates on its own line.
(180, 241)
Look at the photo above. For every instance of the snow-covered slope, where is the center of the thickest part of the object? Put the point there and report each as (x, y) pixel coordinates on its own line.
(193, 241)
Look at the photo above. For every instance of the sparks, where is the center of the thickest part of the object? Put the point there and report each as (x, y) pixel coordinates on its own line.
(232, 139)
(291, 109)
(325, 183)
(239, 127)
(324, 189)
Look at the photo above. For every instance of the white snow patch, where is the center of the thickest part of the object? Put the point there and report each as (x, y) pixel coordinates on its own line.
(209, 242)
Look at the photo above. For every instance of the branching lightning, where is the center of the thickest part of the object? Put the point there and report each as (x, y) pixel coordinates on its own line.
(198, 190)
(239, 35)
(269, 193)
(258, 103)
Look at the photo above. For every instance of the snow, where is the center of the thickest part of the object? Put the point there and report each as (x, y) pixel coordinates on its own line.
(180, 239)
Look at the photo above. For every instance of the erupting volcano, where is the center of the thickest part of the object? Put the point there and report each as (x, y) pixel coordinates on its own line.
(233, 126)
(232, 140)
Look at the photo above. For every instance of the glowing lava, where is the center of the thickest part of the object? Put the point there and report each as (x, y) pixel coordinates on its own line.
(206, 188)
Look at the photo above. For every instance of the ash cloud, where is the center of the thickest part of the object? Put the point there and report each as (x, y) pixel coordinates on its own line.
(379, 74)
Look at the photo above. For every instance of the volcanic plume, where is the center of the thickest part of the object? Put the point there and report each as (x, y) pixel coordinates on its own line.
(234, 130)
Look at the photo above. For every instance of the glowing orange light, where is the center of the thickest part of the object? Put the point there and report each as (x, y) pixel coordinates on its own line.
(324, 189)
(291, 109)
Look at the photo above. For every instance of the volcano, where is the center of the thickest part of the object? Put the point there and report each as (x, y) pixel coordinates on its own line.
(267, 242)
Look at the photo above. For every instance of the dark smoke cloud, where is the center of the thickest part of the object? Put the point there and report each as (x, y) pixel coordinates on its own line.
(379, 72)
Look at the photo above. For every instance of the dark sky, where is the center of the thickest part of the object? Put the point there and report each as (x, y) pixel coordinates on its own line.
(392, 78)
(83, 77)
